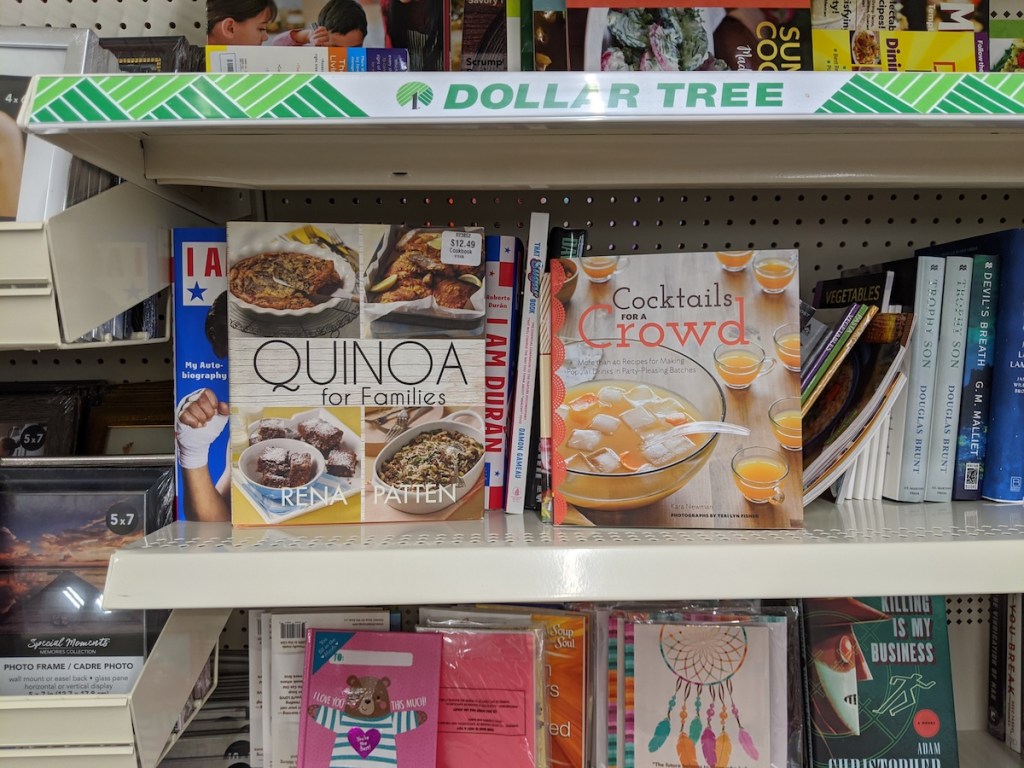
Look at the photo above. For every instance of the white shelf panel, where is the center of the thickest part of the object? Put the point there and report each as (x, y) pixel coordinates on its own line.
(861, 548)
(979, 750)
(540, 130)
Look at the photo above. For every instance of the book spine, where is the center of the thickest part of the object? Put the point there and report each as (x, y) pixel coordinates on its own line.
(820, 360)
(1004, 459)
(949, 372)
(200, 353)
(501, 286)
(920, 387)
(255, 689)
(977, 380)
(841, 348)
(1013, 670)
(996, 717)
(522, 410)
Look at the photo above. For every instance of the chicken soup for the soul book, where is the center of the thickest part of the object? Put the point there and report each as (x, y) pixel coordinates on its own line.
(675, 392)
(357, 365)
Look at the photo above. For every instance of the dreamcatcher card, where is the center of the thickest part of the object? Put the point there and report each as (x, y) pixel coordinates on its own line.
(702, 696)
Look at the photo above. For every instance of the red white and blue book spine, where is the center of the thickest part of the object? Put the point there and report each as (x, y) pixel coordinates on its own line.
(503, 256)
(519, 466)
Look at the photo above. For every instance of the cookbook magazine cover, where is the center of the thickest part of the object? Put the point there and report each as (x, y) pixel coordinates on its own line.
(900, 35)
(675, 391)
(768, 35)
(357, 373)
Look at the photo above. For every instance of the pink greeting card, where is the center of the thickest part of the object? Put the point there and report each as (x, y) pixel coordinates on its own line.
(369, 698)
(491, 699)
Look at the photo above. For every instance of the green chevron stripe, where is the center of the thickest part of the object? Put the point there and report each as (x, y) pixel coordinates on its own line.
(182, 109)
(50, 89)
(920, 91)
(1010, 86)
(953, 105)
(158, 91)
(282, 110)
(271, 92)
(83, 106)
(335, 97)
(45, 115)
(989, 99)
(879, 99)
(65, 112)
(91, 92)
(317, 104)
(220, 105)
(163, 112)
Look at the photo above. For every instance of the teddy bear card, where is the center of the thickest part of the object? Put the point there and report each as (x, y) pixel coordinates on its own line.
(369, 698)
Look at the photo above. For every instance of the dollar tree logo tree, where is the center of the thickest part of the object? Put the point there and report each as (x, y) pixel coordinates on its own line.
(415, 95)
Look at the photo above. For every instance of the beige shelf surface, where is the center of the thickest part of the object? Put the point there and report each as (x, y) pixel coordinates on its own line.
(861, 548)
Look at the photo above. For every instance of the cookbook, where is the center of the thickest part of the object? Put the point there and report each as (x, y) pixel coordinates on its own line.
(357, 373)
(675, 391)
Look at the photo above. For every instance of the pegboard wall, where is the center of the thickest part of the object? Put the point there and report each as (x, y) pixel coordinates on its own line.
(832, 230)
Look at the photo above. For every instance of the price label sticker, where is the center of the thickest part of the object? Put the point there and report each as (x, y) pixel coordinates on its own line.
(33, 437)
(463, 248)
(122, 518)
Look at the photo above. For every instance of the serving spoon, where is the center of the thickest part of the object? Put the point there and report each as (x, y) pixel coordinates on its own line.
(701, 428)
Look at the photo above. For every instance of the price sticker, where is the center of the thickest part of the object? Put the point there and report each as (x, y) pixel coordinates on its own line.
(122, 518)
(464, 248)
(33, 437)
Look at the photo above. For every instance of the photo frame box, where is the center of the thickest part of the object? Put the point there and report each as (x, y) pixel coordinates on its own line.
(61, 523)
(28, 51)
(38, 423)
(149, 54)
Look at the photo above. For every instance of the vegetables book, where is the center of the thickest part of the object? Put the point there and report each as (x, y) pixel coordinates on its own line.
(370, 698)
(357, 373)
(879, 682)
(675, 391)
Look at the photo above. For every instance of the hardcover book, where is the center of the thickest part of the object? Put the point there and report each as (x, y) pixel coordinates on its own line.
(949, 371)
(917, 422)
(675, 392)
(203, 466)
(370, 698)
(330, 324)
(879, 681)
(972, 438)
(504, 258)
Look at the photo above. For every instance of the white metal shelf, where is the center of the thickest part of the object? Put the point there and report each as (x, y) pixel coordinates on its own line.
(352, 131)
(859, 548)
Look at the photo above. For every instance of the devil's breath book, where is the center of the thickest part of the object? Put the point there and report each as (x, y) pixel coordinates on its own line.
(653, 353)
(357, 372)
(879, 683)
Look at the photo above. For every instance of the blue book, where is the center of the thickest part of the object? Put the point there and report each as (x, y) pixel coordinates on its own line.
(1004, 460)
(201, 372)
(972, 439)
(1000, 471)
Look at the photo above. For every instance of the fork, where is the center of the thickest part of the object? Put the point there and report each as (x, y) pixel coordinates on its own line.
(401, 422)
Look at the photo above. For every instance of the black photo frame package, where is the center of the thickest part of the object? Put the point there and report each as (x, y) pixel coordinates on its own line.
(59, 526)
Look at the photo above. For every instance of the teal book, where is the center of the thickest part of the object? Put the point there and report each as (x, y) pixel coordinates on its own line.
(880, 690)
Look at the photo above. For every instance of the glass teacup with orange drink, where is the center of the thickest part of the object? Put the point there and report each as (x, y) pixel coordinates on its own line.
(774, 270)
(739, 364)
(734, 261)
(784, 417)
(787, 346)
(758, 473)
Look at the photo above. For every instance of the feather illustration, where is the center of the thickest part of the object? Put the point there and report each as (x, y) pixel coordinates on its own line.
(707, 745)
(723, 749)
(687, 751)
(748, 744)
(661, 733)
